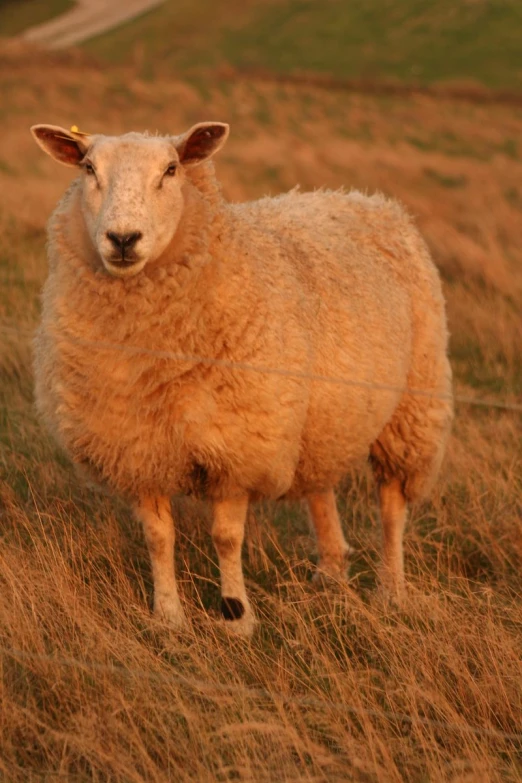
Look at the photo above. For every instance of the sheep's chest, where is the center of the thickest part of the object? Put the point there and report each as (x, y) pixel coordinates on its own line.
(155, 423)
(169, 428)
(143, 422)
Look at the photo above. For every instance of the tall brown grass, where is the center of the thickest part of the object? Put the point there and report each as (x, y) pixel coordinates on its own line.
(334, 686)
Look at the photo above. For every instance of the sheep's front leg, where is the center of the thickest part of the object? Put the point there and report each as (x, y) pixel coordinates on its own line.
(228, 532)
(393, 518)
(331, 543)
(156, 517)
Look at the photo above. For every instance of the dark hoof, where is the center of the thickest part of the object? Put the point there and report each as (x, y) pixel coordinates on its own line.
(232, 608)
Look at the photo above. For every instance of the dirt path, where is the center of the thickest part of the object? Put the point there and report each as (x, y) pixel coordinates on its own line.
(87, 19)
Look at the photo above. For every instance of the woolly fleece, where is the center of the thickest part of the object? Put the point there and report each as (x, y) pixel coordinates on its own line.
(318, 287)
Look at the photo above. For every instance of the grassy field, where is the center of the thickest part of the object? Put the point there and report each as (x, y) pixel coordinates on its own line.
(334, 687)
(414, 40)
(17, 15)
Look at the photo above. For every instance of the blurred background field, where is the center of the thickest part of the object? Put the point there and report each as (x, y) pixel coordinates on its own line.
(334, 687)
(17, 15)
(424, 40)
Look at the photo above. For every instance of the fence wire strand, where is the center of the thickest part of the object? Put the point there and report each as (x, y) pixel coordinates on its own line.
(207, 689)
(281, 371)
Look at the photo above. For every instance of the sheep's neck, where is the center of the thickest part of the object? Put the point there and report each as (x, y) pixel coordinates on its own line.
(189, 246)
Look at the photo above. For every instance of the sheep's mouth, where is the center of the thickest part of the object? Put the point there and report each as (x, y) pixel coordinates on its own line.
(123, 267)
(123, 262)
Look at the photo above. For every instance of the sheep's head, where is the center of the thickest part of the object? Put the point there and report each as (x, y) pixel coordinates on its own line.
(131, 186)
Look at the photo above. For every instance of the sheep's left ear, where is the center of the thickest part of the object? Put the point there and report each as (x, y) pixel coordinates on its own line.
(201, 142)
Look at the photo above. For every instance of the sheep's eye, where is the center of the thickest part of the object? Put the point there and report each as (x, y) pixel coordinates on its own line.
(171, 169)
(89, 168)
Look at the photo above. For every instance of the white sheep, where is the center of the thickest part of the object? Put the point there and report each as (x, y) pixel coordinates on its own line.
(237, 350)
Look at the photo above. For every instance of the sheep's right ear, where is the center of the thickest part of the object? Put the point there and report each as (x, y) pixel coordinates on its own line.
(62, 145)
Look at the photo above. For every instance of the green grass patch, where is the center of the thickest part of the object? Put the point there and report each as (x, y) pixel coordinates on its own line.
(6, 168)
(490, 374)
(514, 197)
(445, 180)
(17, 15)
(452, 145)
(416, 40)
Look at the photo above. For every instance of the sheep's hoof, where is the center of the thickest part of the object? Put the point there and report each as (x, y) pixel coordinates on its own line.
(238, 617)
(171, 614)
(243, 628)
(330, 573)
(392, 595)
(326, 580)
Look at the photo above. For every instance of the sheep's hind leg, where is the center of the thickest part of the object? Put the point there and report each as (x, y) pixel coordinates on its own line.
(228, 532)
(156, 517)
(331, 543)
(393, 510)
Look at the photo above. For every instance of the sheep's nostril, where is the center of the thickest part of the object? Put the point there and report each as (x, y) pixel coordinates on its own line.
(124, 242)
(129, 240)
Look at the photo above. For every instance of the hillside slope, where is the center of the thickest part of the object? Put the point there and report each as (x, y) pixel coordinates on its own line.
(335, 686)
(415, 40)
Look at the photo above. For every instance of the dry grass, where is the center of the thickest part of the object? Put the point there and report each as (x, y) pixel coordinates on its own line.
(93, 688)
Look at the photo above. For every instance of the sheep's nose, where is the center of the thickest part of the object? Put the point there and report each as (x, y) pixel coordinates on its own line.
(124, 242)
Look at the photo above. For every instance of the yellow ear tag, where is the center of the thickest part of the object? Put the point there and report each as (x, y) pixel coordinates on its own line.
(75, 129)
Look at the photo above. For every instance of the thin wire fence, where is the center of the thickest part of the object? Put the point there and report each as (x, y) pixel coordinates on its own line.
(208, 689)
(280, 371)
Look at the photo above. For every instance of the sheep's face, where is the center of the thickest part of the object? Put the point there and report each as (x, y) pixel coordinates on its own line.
(131, 187)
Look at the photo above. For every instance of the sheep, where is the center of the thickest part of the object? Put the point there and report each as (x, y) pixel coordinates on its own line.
(237, 351)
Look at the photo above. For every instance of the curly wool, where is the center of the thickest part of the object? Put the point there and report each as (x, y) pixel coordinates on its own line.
(311, 285)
